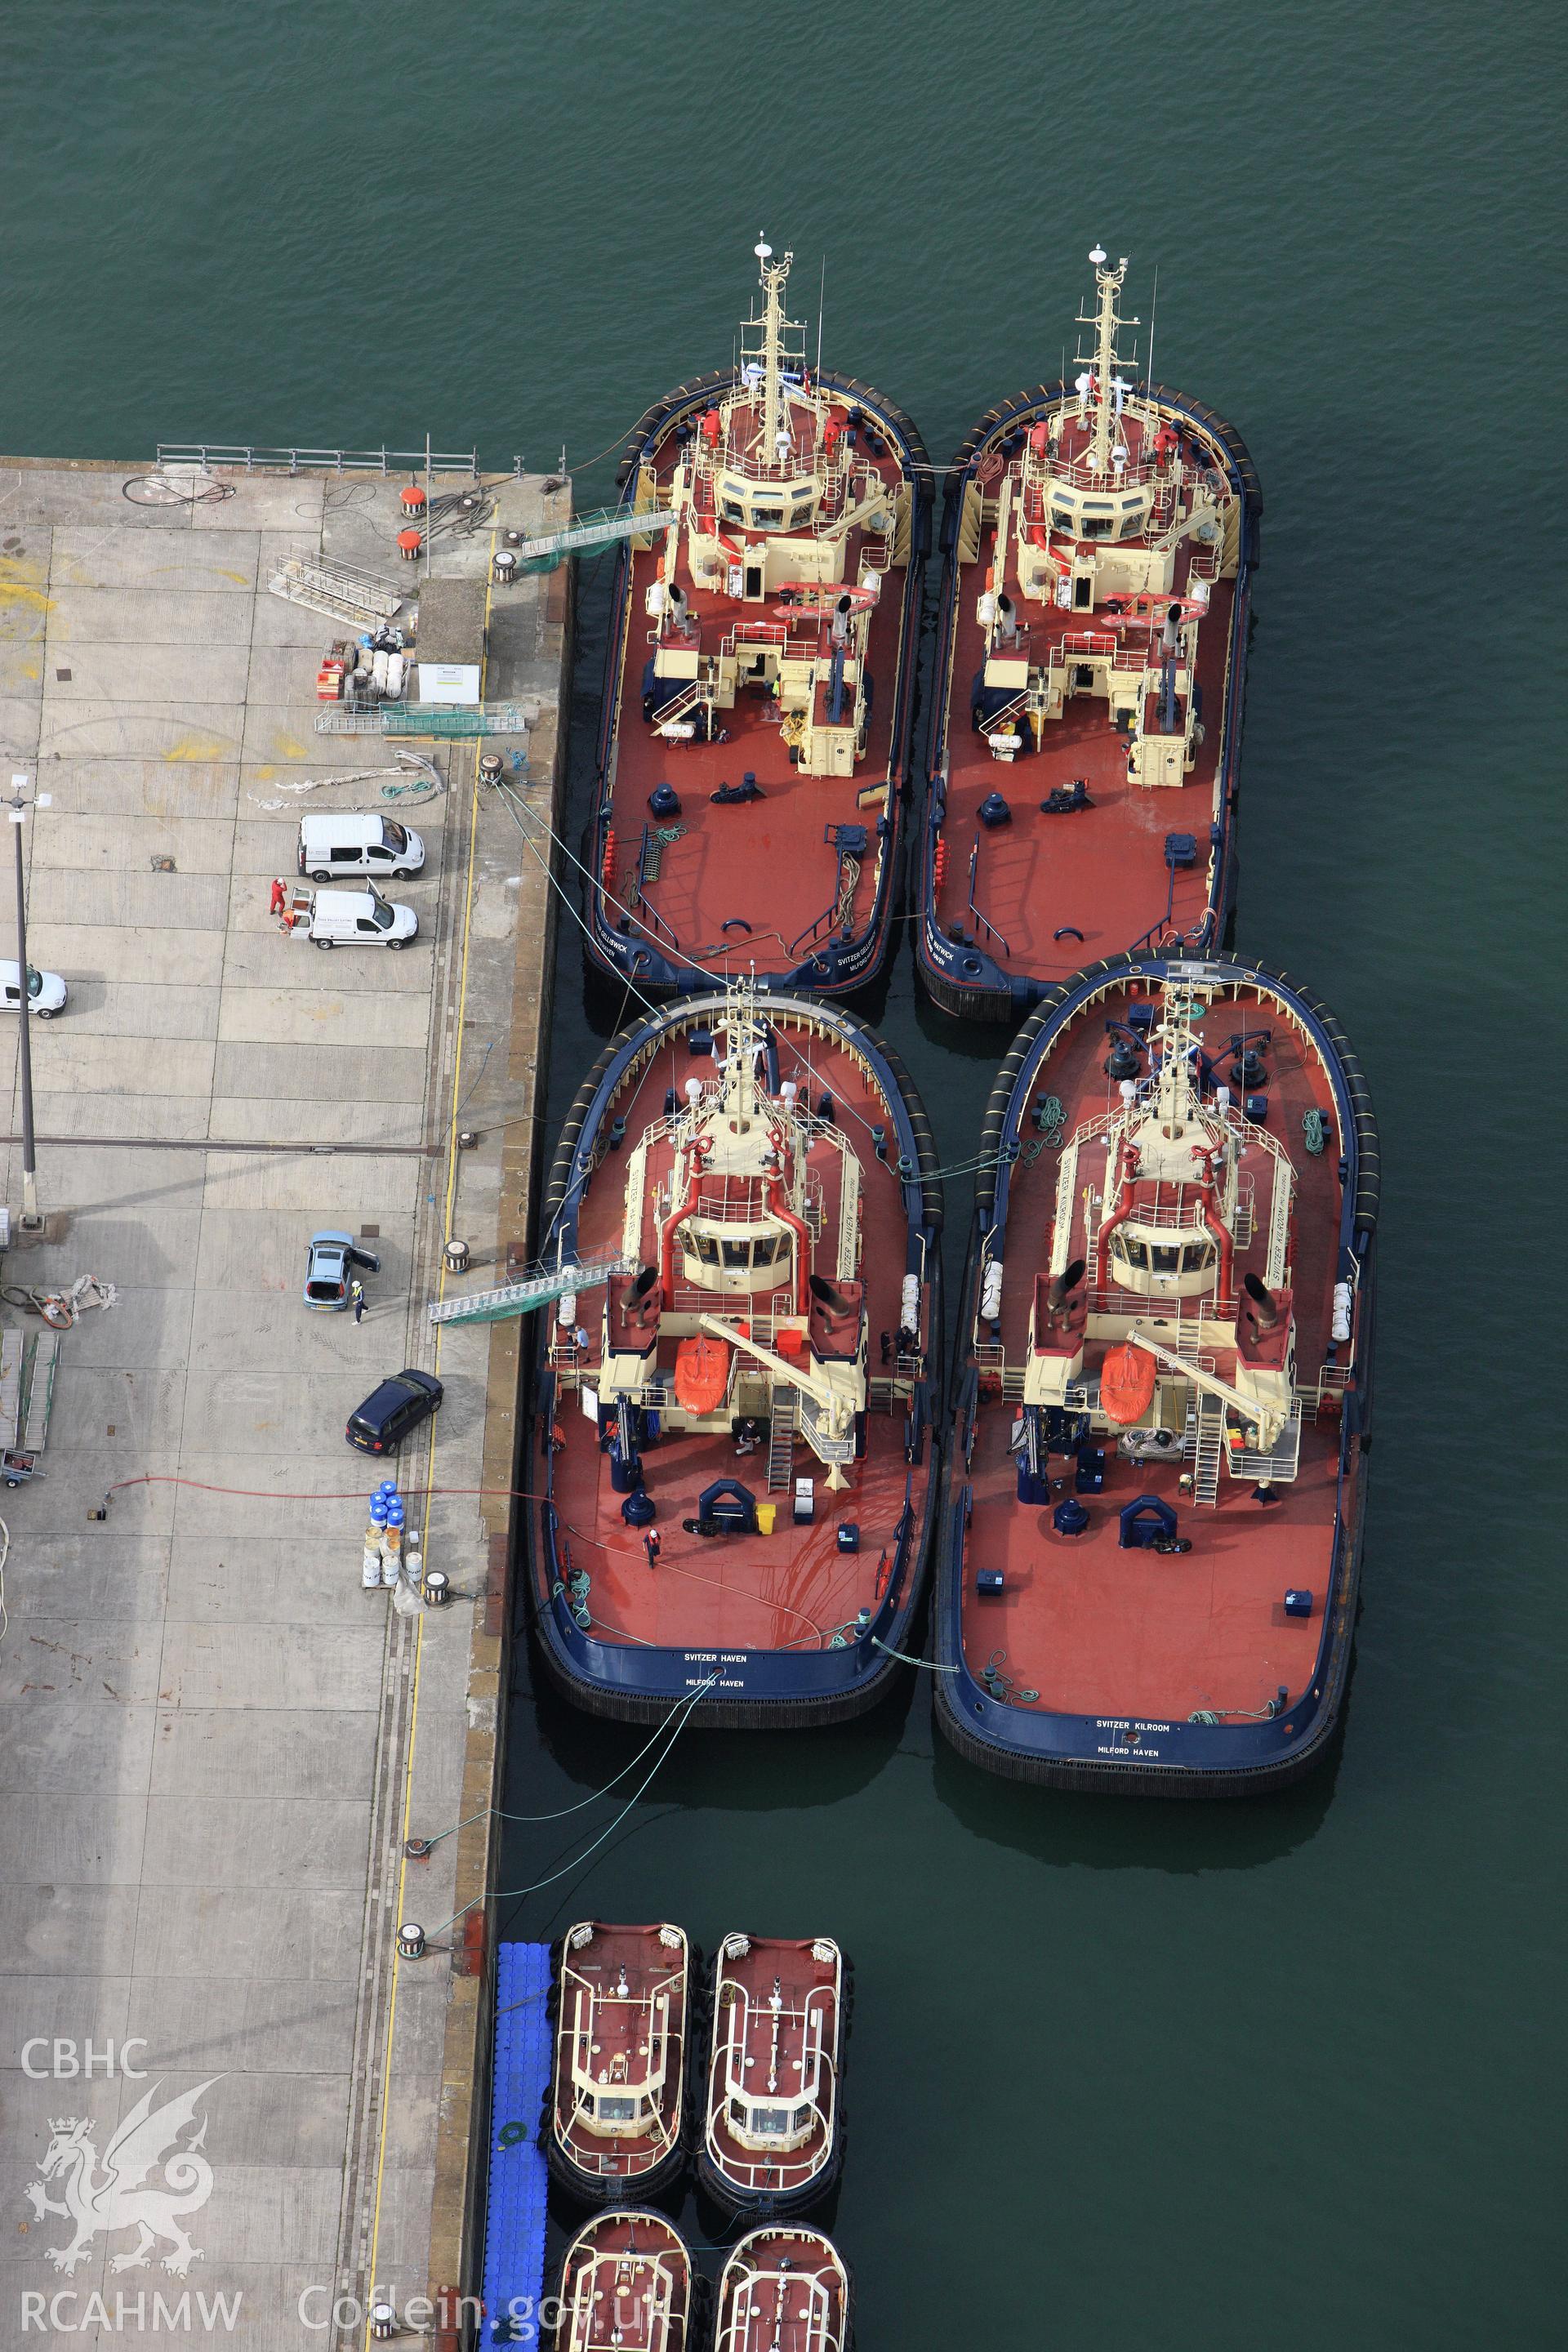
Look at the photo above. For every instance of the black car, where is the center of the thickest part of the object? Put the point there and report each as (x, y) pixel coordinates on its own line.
(393, 1410)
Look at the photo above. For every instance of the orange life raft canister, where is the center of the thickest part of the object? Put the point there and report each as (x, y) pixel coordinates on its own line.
(1126, 1383)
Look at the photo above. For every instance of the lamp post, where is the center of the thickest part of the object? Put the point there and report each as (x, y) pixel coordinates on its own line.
(16, 809)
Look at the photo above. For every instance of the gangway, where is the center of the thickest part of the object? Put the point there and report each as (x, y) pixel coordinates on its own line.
(531, 1290)
(597, 529)
(345, 593)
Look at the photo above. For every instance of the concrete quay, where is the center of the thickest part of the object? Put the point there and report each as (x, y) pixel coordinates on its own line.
(213, 1742)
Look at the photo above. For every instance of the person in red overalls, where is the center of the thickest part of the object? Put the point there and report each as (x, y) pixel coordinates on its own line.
(279, 899)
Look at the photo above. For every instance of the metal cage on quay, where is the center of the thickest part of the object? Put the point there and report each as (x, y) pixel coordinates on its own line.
(1099, 538)
(739, 1460)
(752, 757)
(1151, 1535)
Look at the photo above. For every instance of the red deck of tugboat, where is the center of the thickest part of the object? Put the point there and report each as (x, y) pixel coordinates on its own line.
(763, 863)
(1101, 1631)
(764, 2306)
(1102, 870)
(621, 2047)
(793, 1588)
(625, 2286)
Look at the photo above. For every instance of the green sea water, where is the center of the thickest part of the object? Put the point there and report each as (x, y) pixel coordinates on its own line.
(1286, 2073)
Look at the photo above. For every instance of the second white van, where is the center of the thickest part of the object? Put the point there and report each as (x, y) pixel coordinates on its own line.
(360, 919)
(333, 846)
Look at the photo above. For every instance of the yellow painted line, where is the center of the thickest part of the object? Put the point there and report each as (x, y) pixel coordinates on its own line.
(430, 1462)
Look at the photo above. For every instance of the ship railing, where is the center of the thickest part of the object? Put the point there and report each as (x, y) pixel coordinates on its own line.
(1280, 1464)
(1081, 474)
(983, 921)
(1081, 644)
(250, 459)
(1147, 1306)
(649, 850)
(756, 1308)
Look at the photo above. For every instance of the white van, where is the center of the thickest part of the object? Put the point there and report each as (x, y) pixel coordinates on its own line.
(46, 992)
(330, 846)
(359, 919)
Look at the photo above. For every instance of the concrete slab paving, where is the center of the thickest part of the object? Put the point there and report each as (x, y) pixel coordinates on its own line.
(97, 950)
(222, 562)
(158, 615)
(160, 788)
(206, 1722)
(289, 1751)
(129, 841)
(148, 728)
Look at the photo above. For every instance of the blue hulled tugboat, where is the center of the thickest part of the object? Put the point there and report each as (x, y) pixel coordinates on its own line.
(1100, 537)
(738, 1452)
(1150, 1541)
(760, 677)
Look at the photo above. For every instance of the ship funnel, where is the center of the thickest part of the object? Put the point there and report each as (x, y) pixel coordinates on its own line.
(830, 1296)
(1265, 1306)
(1062, 1284)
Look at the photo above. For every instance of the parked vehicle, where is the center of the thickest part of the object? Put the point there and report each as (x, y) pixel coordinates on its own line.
(393, 1410)
(333, 846)
(360, 919)
(331, 1261)
(46, 992)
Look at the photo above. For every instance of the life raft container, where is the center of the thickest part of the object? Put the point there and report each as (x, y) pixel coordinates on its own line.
(1127, 1380)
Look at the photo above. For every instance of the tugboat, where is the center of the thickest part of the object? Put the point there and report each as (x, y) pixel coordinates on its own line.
(1151, 1546)
(761, 669)
(739, 1471)
(1100, 539)
(772, 2139)
(625, 2286)
(616, 2095)
(783, 2290)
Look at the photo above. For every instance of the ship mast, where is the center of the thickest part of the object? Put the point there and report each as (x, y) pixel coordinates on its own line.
(1105, 320)
(773, 275)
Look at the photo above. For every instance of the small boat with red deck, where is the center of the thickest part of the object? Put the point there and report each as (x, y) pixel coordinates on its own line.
(1151, 1546)
(773, 2138)
(757, 701)
(625, 2286)
(616, 2098)
(783, 2289)
(738, 1467)
(1100, 539)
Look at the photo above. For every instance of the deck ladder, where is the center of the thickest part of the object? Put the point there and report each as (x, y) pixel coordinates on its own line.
(781, 1440)
(1206, 1416)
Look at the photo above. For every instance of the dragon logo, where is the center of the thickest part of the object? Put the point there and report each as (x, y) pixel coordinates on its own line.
(120, 2194)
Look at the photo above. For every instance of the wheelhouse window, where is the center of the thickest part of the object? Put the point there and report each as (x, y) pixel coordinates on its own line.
(617, 2111)
(731, 510)
(1197, 1257)
(774, 2121)
(1132, 1253)
(1166, 1260)
(767, 517)
(800, 517)
(737, 1253)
